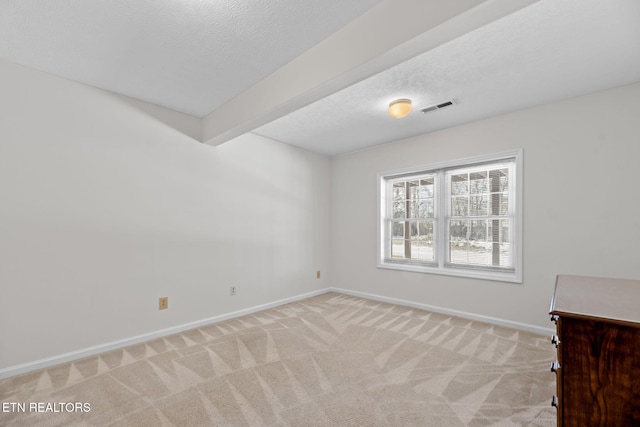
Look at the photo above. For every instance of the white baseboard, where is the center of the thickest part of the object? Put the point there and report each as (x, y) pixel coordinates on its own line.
(471, 316)
(102, 348)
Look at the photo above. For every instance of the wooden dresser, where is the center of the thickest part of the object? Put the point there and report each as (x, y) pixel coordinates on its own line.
(598, 357)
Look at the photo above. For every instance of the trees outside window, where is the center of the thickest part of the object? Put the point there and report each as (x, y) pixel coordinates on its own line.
(461, 218)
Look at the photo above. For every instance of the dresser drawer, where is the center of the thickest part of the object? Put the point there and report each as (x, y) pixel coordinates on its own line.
(598, 351)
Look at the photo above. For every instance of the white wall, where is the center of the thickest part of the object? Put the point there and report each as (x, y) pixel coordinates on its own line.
(581, 204)
(107, 204)
(104, 208)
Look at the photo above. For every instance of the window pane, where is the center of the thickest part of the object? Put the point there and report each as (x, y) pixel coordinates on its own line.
(459, 206)
(413, 209)
(398, 230)
(479, 255)
(499, 204)
(478, 232)
(458, 231)
(398, 191)
(413, 189)
(478, 205)
(422, 250)
(458, 253)
(398, 209)
(425, 230)
(413, 227)
(459, 184)
(473, 243)
(505, 254)
(426, 188)
(412, 240)
(397, 248)
(481, 242)
(499, 179)
(478, 183)
(470, 254)
(505, 235)
(425, 208)
(468, 243)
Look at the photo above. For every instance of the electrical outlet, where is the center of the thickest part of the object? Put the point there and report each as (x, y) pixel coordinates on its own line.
(163, 303)
(318, 274)
(232, 291)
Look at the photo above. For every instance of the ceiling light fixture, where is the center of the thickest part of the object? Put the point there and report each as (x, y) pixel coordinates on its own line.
(400, 108)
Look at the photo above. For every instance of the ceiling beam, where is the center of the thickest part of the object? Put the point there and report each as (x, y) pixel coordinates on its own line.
(394, 31)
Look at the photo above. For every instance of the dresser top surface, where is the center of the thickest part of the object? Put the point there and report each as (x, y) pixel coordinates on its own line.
(597, 297)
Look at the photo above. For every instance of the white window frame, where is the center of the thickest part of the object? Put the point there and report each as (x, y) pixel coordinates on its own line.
(441, 237)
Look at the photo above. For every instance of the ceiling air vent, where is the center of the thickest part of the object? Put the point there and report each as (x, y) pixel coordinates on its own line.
(437, 106)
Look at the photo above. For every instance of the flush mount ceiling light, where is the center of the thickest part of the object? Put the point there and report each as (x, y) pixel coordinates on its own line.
(400, 108)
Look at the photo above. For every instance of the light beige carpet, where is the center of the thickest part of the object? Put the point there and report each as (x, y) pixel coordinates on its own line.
(330, 360)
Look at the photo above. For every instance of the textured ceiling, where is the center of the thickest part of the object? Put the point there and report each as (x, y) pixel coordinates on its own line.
(188, 55)
(198, 56)
(548, 51)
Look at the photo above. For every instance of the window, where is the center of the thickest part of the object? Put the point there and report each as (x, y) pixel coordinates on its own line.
(461, 218)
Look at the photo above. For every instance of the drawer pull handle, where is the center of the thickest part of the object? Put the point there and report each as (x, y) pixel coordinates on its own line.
(555, 366)
(555, 340)
(554, 401)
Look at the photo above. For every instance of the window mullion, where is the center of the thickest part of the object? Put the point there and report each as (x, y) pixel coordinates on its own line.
(442, 207)
(388, 213)
(407, 223)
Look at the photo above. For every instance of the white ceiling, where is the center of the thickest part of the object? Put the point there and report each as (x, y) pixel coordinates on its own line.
(187, 55)
(197, 57)
(548, 51)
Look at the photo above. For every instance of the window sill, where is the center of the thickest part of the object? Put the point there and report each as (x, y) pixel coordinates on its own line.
(512, 277)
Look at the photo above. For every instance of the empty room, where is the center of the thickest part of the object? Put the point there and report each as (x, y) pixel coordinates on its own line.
(319, 213)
